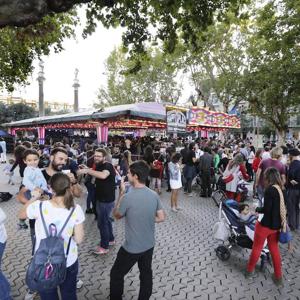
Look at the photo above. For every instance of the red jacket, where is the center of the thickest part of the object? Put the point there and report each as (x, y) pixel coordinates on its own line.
(256, 163)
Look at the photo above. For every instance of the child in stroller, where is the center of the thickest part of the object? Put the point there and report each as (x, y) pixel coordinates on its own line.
(240, 223)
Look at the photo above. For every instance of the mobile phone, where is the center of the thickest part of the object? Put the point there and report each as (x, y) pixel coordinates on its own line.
(66, 171)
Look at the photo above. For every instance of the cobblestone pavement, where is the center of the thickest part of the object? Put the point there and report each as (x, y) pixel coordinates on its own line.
(185, 265)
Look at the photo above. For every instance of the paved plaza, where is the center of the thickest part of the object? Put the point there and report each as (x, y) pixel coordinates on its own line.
(185, 265)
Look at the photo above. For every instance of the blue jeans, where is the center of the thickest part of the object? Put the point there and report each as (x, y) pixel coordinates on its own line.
(260, 194)
(91, 195)
(67, 288)
(4, 284)
(104, 223)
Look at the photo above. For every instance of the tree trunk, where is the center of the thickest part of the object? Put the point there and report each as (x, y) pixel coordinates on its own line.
(281, 136)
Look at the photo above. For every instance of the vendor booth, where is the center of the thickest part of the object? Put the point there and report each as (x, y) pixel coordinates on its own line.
(137, 118)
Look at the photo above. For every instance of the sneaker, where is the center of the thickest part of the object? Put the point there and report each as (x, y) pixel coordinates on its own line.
(89, 211)
(179, 208)
(190, 195)
(100, 251)
(79, 284)
(22, 226)
(112, 243)
(30, 295)
(278, 281)
(249, 275)
(173, 209)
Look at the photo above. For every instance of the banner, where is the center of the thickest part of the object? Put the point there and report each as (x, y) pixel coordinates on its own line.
(176, 119)
(41, 135)
(204, 117)
(102, 134)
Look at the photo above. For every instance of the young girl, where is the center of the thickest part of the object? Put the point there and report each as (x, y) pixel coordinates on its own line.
(175, 181)
(157, 172)
(56, 211)
(33, 176)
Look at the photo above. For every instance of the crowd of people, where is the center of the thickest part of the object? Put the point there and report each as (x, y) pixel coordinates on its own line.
(124, 179)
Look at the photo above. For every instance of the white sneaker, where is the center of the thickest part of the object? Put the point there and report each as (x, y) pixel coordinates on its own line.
(179, 208)
(173, 209)
(30, 295)
(79, 284)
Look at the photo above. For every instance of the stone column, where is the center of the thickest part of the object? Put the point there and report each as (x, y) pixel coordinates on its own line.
(76, 86)
(41, 80)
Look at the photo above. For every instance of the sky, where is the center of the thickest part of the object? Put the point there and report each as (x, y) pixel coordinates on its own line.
(88, 55)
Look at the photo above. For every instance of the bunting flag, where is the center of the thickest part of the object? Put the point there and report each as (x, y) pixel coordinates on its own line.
(41, 135)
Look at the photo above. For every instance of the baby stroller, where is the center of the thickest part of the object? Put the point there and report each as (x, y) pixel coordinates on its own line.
(239, 232)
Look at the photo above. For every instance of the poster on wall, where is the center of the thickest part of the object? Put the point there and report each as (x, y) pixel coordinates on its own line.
(176, 119)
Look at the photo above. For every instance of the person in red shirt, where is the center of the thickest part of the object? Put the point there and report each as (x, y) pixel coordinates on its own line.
(255, 165)
(231, 176)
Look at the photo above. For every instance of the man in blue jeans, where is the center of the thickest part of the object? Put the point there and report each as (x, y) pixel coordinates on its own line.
(105, 196)
(141, 208)
(4, 285)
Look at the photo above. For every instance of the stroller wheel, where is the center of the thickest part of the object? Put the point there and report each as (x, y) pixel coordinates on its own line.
(222, 253)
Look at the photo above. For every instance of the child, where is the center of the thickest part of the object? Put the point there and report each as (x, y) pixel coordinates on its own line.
(33, 178)
(244, 211)
(157, 172)
(7, 171)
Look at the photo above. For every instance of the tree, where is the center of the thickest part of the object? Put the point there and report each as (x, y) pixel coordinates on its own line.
(145, 21)
(218, 63)
(16, 112)
(19, 47)
(271, 82)
(155, 81)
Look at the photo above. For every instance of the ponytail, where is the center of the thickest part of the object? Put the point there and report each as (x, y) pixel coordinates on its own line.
(68, 199)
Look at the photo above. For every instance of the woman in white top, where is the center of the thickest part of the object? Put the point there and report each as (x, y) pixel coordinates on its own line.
(250, 162)
(56, 211)
(175, 180)
(4, 285)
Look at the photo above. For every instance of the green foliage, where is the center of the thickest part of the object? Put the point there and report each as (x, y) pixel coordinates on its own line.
(19, 47)
(16, 112)
(155, 81)
(271, 82)
(152, 20)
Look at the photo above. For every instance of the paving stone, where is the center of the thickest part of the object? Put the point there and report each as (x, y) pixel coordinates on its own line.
(185, 265)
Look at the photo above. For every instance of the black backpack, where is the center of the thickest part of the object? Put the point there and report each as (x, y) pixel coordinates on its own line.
(5, 196)
(48, 266)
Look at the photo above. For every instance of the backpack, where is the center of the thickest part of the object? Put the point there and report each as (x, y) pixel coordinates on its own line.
(48, 267)
(5, 196)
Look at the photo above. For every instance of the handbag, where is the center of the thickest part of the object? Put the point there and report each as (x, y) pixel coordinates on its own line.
(285, 236)
(2, 216)
(220, 229)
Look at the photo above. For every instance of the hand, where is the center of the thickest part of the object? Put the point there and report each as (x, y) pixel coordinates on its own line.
(82, 171)
(36, 193)
(122, 185)
(72, 177)
(82, 166)
(293, 182)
